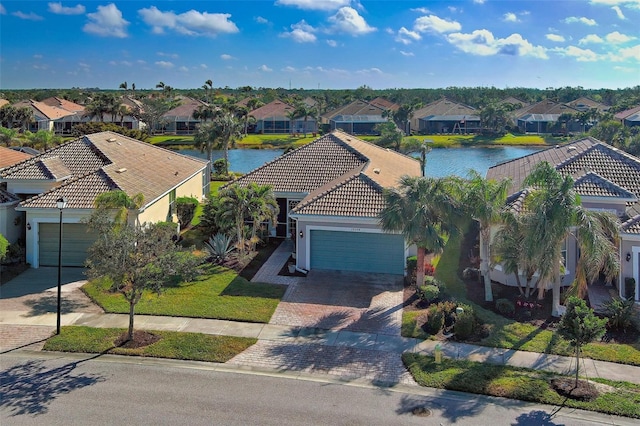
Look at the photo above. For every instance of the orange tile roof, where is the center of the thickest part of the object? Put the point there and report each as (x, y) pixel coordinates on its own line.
(9, 157)
(42, 109)
(54, 101)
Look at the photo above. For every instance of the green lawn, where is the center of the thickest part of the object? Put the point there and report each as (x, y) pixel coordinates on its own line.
(517, 383)
(220, 293)
(506, 333)
(174, 345)
(169, 140)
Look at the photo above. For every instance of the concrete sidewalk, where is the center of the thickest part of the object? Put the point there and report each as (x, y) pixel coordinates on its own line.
(339, 339)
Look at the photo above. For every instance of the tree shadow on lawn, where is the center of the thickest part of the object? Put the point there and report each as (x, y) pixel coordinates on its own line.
(29, 388)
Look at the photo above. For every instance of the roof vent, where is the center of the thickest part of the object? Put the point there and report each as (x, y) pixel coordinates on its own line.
(376, 171)
(111, 140)
(121, 170)
(571, 148)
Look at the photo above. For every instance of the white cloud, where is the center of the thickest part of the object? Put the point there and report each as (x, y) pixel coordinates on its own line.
(369, 71)
(435, 24)
(582, 20)
(510, 17)
(107, 21)
(555, 37)
(264, 68)
(422, 10)
(616, 37)
(191, 23)
(403, 53)
(28, 16)
(226, 57)
(628, 53)
(332, 43)
(348, 20)
(591, 38)
(314, 4)
(167, 55)
(37, 56)
(3, 11)
(203, 66)
(141, 62)
(164, 64)
(183, 69)
(261, 20)
(59, 9)
(479, 1)
(289, 69)
(581, 55)
(632, 4)
(618, 12)
(406, 36)
(483, 43)
(301, 33)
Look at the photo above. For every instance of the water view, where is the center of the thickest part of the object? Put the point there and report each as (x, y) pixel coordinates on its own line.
(440, 162)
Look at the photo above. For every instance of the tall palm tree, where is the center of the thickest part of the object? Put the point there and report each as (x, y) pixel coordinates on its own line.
(7, 136)
(485, 199)
(414, 145)
(123, 86)
(553, 213)
(235, 203)
(24, 116)
(292, 114)
(426, 211)
(262, 207)
(305, 111)
(229, 131)
(206, 138)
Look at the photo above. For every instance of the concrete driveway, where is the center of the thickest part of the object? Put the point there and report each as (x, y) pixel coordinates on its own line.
(338, 300)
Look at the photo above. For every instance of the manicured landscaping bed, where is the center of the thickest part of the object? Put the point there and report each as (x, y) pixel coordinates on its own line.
(220, 293)
(506, 333)
(622, 398)
(171, 344)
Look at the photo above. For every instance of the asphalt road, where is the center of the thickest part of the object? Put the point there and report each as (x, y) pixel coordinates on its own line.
(46, 389)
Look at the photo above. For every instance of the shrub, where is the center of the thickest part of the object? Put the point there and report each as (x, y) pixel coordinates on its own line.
(95, 126)
(431, 280)
(219, 247)
(505, 307)
(465, 323)
(185, 208)
(435, 320)
(412, 264)
(428, 293)
(630, 288)
(620, 313)
(4, 246)
(220, 166)
(429, 269)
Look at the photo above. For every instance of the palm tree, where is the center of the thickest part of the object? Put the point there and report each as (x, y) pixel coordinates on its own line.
(263, 206)
(123, 86)
(414, 145)
(485, 200)
(426, 211)
(229, 131)
(292, 114)
(206, 138)
(7, 136)
(24, 116)
(235, 203)
(41, 139)
(553, 213)
(305, 111)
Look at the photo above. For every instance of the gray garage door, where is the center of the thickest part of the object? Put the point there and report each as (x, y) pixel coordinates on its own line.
(75, 242)
(357, 251)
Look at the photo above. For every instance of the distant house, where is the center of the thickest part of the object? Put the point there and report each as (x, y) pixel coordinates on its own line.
(606, 179)
(384, 104)
(11, 225)
(513, 101)
(330, 193)
(629, 117)
(445, 116)
(357, 118)
(180, 120)
(542, 117)
(273, 118)
(583, 104)
(64, 124)
(81, 170)
(46, 117)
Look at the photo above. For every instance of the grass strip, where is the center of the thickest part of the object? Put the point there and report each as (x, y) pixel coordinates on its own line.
(172, 344)
(623, 399)
(219, 294)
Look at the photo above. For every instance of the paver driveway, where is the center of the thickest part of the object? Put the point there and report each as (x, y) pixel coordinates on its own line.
(338, 300)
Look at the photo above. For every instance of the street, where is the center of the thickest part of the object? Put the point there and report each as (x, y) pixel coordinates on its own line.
(67, 389)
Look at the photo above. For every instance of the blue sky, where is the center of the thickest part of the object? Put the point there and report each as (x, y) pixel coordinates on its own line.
(333, 44)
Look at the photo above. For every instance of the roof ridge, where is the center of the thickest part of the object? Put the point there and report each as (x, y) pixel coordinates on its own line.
(329, 189)
(591, 174)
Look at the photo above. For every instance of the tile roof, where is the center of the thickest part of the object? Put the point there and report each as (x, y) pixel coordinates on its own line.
(356, 169)
(626, 113)
(357, 107)
(513, 100)
(585, 104)
(356, 196)
(185, 110)
(9, 157)
(102, 161)
(7, 197)
(632, 226)
(583, 160)
(544, 107)
(384, 103)
(44, 110)
(593, 185)
(441, 107)
(54, 101)
(273, 110)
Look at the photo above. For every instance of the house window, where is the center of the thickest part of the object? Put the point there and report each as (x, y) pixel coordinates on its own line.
(563, 252)
(291, 204)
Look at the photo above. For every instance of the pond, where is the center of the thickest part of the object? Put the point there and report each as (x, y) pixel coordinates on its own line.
(440, 162)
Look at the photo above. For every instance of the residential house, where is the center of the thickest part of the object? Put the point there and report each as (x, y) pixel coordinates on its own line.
(81, 170)
(3, 102)
(64, 125)
(45, 116)
(384, 104)
(542, 117)
(330, 193)
(605, 178)
(629, 117)
(584, 103)
(445, 116)
(274, 118)
(357, 118)
(515, 102)
(180, 120)
(10, 221)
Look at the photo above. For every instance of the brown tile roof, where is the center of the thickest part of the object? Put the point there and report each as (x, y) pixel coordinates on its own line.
(44, 110)
(7, 197)
(442, 106)
(514, 101)
(104, 161)
(357, 107)
(356, 196)
(546, 106)
(584, 103)
(384, 104)
(273, 110)
(593, 185)
(336, 162)
(54, 168)
(577, 159)
(54, 101)
(632, 226)
(9, 157)
(185, 110)
(626, 113)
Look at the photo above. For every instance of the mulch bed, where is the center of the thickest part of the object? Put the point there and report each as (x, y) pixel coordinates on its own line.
(9, 272)
(141, 339)
(285, 269)
(566, 387)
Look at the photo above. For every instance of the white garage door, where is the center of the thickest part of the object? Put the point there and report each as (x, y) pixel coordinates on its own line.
(75, 242)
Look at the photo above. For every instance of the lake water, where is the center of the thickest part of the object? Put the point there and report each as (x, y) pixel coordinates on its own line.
(440, 162)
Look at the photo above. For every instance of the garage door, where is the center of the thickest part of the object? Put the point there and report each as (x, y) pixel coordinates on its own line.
(357, 251)
(75, 242)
